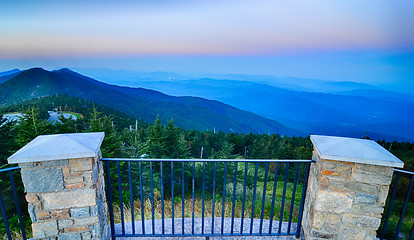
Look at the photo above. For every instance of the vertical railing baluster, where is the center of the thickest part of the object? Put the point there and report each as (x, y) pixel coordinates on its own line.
(254, 197)
(109, 196)
(121, 205)
(282, 205)
(172, 198)
(244, 198)
(131, 197)
(224, 197)
(264, 197)
(404, 208)
(234, 197)
(3, 214)
(273, 197)
(214, 198)
(16, 202)
(182, 195)
(412, 233)
(394, 191)
(302, 200)
(193, 188)
(162, 201)
(204, 190)
(142, 198)
(152, 199)
(292, 201)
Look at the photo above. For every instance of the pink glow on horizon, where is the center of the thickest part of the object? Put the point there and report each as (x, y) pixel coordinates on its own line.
(262, 27)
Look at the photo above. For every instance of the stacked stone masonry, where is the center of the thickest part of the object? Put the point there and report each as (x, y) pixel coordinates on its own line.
(66, 198)
(345, 200)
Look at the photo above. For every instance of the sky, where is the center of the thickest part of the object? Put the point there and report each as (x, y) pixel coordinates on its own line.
(353, 40)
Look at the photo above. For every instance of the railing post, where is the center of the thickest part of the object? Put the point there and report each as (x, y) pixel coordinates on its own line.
(347, 189)
(63, 179)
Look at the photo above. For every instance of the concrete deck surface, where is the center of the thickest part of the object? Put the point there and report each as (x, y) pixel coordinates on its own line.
(207, 229)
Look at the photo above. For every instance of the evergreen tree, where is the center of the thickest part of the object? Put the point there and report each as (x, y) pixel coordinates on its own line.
(32, 124)
(226, 152)
(68, 125)
(175, 144)
(155, 145)
(112, 144)
(8, 143)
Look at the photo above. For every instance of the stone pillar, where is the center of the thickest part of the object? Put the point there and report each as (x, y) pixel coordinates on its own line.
(348, 187)
(63, 179)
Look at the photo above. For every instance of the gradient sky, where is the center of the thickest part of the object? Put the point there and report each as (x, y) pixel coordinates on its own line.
(353, 40)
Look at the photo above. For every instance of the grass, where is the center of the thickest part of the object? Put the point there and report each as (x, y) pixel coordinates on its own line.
(407, 223)
(228, 205)
(14, 235)
(77, 115)
(15, 228)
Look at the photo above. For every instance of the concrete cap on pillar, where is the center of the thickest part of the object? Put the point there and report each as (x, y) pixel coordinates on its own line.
(59, 146)
(354, 150)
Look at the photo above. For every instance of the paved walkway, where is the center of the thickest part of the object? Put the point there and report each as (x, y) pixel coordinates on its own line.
(207, 229)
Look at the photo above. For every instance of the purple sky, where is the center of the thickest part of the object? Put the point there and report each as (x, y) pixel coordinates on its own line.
(363, 41)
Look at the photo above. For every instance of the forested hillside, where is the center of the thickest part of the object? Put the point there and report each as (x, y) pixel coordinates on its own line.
(128, 137)
(188, 112)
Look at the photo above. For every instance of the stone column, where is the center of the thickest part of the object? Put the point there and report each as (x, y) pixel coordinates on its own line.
(63, 179)
(348, 187)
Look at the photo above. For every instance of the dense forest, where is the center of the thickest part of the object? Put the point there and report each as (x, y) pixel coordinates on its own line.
(130, 138)
(127, 137)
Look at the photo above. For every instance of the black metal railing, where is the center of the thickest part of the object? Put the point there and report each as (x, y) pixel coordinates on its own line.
(399, 215)
(197, 197)
(8, 191)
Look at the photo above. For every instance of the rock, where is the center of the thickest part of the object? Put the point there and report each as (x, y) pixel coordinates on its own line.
(44, 229)
(81, 164)
(318, 220)
(365, 198)
(60, 214)
(346, 233)
(55, 163)
(372, 174)
(333, 202)
(79, 212)
(86, 221)
(352, 220)
(78, 198)
(42, 180)
(65, 223)
(70, 236)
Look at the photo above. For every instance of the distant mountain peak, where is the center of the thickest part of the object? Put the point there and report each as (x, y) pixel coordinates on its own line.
(10, 72)
(35, 69)
(64, 70)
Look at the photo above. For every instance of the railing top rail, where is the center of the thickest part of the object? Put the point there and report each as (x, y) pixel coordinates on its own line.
(207, 160)
(404, 171)
(9, 169)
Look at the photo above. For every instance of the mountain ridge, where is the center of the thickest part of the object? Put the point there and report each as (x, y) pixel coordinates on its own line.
(359, 109)
(187, 112)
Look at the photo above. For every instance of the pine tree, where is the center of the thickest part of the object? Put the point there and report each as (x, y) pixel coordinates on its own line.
(155, 145)
(31, 125)
(8, 143)
(67, 125)
(176, 146)
(112, 144)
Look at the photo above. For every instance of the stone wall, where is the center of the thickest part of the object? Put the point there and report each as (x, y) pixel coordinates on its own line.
(63, 178)
(66, 198)
(345, 200)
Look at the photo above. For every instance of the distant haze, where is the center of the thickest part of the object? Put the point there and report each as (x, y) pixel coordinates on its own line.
(360, 41)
